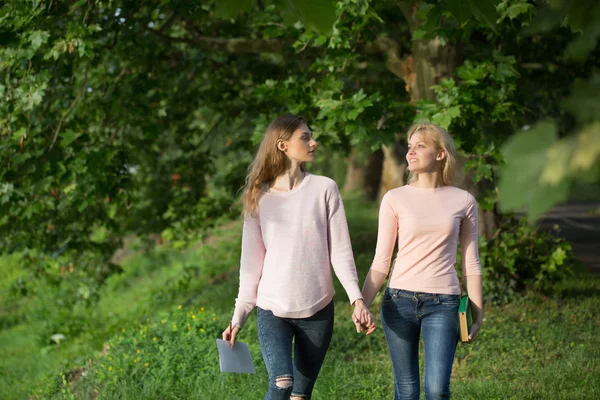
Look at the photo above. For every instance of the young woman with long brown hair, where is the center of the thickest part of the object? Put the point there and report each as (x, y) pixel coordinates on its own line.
(294, 229)
(426, 218)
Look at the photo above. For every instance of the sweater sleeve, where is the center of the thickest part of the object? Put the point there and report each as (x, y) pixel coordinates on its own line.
(340, 247)
(251, 266)
(386, 235)
(468, 239)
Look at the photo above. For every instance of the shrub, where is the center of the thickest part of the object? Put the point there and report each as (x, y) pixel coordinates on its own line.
(169, 354)
(521, 257)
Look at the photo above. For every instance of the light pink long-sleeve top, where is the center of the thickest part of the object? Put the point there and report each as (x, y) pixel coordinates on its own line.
(288, 250)
(428, 223)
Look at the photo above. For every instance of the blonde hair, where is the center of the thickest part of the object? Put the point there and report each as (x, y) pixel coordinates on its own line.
(442, 140)
(269, 162)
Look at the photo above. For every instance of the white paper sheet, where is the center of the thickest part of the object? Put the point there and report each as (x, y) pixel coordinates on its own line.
(237, 359)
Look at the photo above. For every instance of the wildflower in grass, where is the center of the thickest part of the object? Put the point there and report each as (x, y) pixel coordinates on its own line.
(138, 351)
(201, 309)
(154, 339)
(162, 321)
(201, 329)
(135, 361)
(193, 317)
(123, 330)
(120, 369)
(146, 364)
(179, 307)
(110, 368)
(214, 319)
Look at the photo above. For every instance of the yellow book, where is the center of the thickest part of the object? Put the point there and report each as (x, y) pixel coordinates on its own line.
(465, 320)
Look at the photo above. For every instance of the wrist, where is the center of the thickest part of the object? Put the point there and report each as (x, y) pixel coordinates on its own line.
(358, 302)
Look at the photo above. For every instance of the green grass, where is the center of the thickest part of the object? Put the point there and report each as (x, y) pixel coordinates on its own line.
(536, 348)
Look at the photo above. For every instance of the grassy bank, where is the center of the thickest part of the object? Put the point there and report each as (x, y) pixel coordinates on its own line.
(152, 335)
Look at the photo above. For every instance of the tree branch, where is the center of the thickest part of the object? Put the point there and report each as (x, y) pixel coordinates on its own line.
(62, 119)
(168, 23)
(399, 66)
(232, 46)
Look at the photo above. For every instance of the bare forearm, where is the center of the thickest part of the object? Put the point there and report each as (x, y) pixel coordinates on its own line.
(373, 283)
(475, 291)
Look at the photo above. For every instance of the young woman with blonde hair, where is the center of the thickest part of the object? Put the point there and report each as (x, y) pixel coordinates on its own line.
(294, 229)
(427, 216)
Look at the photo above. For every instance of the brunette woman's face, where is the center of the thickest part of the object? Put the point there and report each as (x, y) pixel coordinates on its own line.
(422, 154)
(301, 146)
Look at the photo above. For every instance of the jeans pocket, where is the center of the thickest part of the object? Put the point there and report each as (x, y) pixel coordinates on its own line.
(387, 297)
(449, 299)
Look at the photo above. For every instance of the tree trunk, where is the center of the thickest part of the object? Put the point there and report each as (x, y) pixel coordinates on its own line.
(488, 220)
(394, 168)
(429, 63)
(364, 174)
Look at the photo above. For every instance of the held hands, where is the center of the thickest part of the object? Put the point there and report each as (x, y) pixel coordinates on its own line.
(230, 333)
(362, 318)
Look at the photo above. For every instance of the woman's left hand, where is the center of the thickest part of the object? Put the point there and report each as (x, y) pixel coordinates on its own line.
(474, 331)
(362, 317)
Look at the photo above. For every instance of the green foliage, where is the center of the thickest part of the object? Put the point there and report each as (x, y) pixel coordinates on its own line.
(526, 156)
(116, 120)
(168, 348)
(547, 180)
(58, 296)
(523, 258)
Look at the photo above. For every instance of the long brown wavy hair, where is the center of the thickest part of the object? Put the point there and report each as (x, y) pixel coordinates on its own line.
(269, 162)
(442, 140)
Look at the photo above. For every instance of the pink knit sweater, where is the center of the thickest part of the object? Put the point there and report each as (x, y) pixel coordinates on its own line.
(428, 224)
(288, 250)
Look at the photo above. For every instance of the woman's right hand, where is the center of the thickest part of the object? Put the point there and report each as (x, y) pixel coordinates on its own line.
(362, 318)
(230, 333)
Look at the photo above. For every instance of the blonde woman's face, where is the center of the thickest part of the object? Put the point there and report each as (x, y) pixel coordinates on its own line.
(422, 155)
(301, 146)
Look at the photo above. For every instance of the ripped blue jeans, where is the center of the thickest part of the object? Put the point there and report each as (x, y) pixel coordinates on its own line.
(311, 337)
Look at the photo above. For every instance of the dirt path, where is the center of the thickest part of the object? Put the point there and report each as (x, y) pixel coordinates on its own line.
(580, 224)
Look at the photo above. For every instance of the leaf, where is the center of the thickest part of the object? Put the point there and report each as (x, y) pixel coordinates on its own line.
(545, 20)
(538, 138)
(485, 11)
(20, 133)
(68, 137)
(318, 14)
(558, 155)
(584, 102)
(37, 38)
(442, 119)
(99, 234)
(454, 112)
(70, 188)
(579, 48)
(515, 10)
(520, 184)
(587, 149)
(232, 8)
(460, 9)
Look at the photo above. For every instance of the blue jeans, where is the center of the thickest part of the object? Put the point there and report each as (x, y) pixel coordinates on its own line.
(405, 315)
(312, 337)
